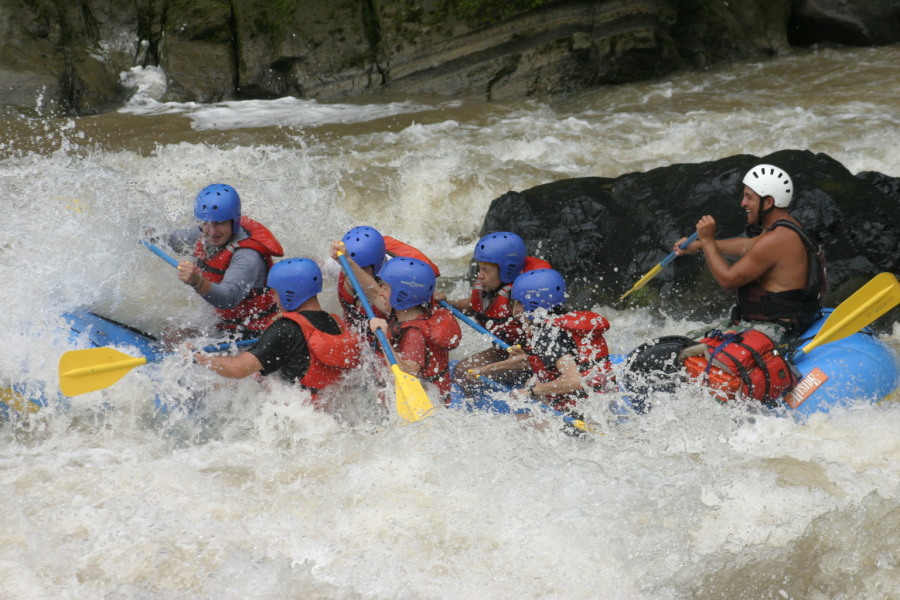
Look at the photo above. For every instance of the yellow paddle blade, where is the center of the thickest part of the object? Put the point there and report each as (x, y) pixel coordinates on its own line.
(586, 427)
(872, 300)
(17, 401)
(643, 280)
(83, 371)
(413, 403)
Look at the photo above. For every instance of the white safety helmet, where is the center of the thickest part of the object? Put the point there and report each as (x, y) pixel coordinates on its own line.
(769, 180)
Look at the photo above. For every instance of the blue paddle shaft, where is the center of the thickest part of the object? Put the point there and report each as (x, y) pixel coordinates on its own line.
(462, 317)
(664, 262)
(160, 253)
(382, 339)
(226, 345)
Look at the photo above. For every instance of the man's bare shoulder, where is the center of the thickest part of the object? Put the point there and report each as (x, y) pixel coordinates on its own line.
(780, 239)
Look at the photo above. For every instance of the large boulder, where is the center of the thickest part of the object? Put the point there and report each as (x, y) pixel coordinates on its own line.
(850, 22)
(604, 234)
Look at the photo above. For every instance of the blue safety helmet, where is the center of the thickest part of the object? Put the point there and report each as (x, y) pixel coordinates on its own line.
(411, 281)
(365, 246)
(219, 202)
(296, 280)
(504, 249)
(540, 288)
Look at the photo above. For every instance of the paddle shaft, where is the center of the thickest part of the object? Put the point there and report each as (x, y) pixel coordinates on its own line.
(684, 245)
(474, 325)
(659, 267)
(131, 363)
(160, 253)
(92, 369)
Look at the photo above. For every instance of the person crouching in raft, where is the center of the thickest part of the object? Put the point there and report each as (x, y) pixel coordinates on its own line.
(367, 250)
(566, 350)
(304, 345)
(233, 256)
(421, 334)
(501, 257)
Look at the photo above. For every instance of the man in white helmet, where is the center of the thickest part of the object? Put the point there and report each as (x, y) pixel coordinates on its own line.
(778, 272)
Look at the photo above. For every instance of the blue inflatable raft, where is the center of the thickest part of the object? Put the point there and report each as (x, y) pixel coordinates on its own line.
(859, 368)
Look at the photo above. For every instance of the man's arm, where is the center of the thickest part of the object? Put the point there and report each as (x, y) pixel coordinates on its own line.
(731, 248)
(569, 379)
(233, 367)
(757, 257)
(369, 285)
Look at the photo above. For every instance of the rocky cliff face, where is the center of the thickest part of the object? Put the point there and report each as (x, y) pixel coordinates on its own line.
(66, 56)
(604, 234)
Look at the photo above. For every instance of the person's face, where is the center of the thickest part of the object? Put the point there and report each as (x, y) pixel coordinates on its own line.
(488, 276)
(385, 292)
(753, 205)
(217, 232)
(518, 312)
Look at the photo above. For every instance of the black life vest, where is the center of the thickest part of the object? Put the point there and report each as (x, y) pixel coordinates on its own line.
(800, 307)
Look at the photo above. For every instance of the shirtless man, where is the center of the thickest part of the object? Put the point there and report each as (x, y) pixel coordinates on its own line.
(779, 273)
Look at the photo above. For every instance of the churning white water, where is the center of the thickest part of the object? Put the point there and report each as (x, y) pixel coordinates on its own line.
(256, 495)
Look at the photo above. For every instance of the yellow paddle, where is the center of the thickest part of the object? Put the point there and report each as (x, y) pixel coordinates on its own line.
(92, 369)
(655, 270)
(869, 302)
(83, 371)
(413, 403)
(17, 402)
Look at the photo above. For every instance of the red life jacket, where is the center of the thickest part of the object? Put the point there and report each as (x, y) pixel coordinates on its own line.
(744, 364)
(257, 311)
(587, 329)
(442, 334)
(496, 317)
(353, 310)
(330, 356)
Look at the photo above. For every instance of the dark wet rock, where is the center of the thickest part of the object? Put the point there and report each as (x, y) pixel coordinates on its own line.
(604, 234)
(849, 22)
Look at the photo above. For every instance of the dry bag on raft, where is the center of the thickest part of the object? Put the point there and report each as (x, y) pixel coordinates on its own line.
(744, 364)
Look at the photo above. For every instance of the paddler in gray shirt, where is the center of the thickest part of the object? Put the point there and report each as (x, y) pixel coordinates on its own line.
(233, 255)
